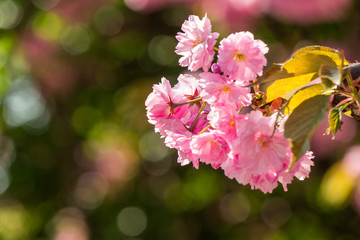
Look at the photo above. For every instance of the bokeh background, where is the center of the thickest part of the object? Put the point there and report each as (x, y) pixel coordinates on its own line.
(79, 161)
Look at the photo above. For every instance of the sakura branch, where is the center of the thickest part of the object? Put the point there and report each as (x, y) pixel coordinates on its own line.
(201, 115)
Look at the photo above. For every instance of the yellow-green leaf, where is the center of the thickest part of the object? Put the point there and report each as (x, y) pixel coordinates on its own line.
(334, 54)
(302, 95)
(281, 87)
(305, 65)
(303, 121)
(305, 68)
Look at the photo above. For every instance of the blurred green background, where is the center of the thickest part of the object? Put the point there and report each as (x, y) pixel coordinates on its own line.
(79, 161)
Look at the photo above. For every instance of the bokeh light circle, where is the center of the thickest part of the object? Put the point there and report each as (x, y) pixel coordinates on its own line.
(132, 221)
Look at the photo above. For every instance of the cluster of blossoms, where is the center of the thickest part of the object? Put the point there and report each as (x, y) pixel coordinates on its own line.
(202, 116)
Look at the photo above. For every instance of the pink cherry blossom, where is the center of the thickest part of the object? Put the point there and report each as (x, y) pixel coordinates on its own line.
(172, 125)
(265, 182)
(178, 136)
(219, 90)
(210, 147)
(242, 57)
(181, 142)
(188, 88)
(186, 157)
(196, 43)
(300, 170)
(159, 104)
(262, 158)
(260, 149)
(259, 155)
(225, 120)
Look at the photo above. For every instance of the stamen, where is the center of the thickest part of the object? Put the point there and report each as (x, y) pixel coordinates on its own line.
(226, 90)
(212, 142)
(196, 42)
(232, 123)
(239, 56)
(262, 142)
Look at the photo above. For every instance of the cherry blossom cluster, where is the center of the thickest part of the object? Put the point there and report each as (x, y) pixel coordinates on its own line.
(206, 116)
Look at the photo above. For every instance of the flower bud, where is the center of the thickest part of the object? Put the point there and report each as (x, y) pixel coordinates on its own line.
(215, 68)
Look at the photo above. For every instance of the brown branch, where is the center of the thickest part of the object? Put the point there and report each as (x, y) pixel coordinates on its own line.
(354, 70)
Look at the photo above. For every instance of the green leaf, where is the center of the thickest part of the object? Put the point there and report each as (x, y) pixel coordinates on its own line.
(303, 121)
(335, 122)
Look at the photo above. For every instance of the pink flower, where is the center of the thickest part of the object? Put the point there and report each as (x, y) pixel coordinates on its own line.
(196, 43)
(225, 120)
(242, 57)
(259, 156)
(265, 182)
(258, 148)
(300, 170)
(232, 170)
(219, 90)
(181, 142)
(186, 157)
(188, 88)
(179, 137)
(159, 104)
(210, 147)
(173, 125)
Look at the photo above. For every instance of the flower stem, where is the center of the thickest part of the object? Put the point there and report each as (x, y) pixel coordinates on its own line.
(197, 117)
(206, 128)
(241, 109)
(174, 105)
